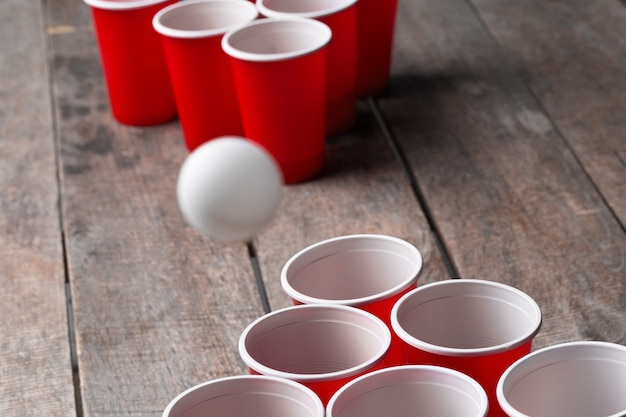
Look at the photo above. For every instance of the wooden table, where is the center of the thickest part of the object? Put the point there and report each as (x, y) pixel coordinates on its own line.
(499, 151)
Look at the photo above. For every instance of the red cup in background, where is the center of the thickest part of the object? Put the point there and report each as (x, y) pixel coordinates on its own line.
(476, 327)
(199, 69)
(320, 346)
(573, 379)
(376, 22)
(133, 61)
(279, 68)
(341, 17)
(246, 395)
(367, 271)
(418, 390)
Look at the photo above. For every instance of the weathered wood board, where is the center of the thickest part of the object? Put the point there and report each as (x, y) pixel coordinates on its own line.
(571, 56)
(158, 307)
(35, 365)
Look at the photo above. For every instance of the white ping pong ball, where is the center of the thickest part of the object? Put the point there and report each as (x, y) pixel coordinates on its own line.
(229, 189)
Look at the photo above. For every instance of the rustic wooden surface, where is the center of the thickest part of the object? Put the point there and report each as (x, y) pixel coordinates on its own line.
(157, 308)
(35, 365)
(498, 152)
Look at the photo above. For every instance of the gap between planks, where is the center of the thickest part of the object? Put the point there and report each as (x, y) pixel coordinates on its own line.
(393, 143)
(71, 328)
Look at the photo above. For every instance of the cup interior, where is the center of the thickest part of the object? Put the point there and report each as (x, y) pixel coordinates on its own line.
(408, 391)
(579, 379)
(466, 315)
(272, 39)
(311, 342)
(353, 269)
(246, 396)
(198, 18)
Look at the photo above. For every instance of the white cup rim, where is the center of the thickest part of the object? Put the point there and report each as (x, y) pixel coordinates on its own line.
(253, 364)
(522, 339)
(188, 5)
(321, 29)
(268, 11)
(411, 278)
(385, 372)
(562, 349)
(315, 400)
(121, 5)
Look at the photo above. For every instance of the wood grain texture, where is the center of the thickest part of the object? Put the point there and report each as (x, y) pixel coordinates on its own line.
(509, 196)
(362, 189)
(35, 366)
(571, 55)
(158, 308)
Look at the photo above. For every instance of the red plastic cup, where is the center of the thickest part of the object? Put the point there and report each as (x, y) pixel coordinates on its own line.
(199, 69)
(133, 61)
(246, 395)
(320, 346)
(279, 67)
(340, 16)
(370, 272)
(473, 326)
(376, 24)
(413, 390)
(575, 379)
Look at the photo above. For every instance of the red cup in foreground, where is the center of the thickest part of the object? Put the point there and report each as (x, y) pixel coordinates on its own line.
(320, 346)
(376, 24)
(199, 69)
(413, 390)
(575, 379)
(133, 61)
(279, 68)
(367, 271)
(246, 395)
(474, 326)
(340, 16)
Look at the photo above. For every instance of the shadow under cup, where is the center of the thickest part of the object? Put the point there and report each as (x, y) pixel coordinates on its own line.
(319, 346)
(476, 327)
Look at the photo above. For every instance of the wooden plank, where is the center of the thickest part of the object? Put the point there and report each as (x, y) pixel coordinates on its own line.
(573, 61)
(508, 195)
(158, 308)
(362, 189)
(35, 366)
